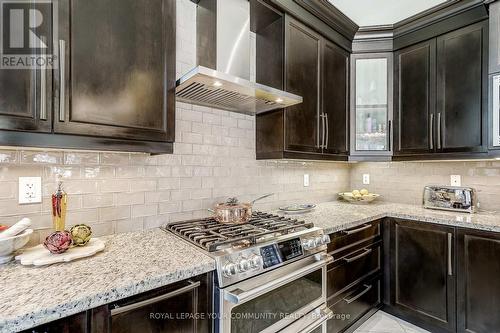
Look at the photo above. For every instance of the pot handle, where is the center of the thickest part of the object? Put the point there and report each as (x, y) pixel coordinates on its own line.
(262, 197)
(211, 210)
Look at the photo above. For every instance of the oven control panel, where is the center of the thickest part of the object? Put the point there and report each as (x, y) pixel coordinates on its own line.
(277, 253)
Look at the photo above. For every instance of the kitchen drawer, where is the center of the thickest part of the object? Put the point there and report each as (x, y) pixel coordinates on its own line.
(354, 304)
(352, 236)
(349, 267)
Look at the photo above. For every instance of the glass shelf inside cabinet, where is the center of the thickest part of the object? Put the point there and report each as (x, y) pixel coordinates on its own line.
(371, 105)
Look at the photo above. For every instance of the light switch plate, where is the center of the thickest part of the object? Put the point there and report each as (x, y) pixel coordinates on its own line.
(30, 190)
(306, 180)
(366, 179)
(455, 180)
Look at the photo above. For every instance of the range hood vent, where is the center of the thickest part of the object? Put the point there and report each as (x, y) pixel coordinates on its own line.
(223, 50)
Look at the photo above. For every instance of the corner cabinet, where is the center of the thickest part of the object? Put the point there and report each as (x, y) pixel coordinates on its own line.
(440, 94)
(115, 92)
(371, 106)
(316, 69)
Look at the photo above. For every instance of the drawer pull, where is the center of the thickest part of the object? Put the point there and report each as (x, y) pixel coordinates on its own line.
(351, 259)
(352, 299)
(353, 231)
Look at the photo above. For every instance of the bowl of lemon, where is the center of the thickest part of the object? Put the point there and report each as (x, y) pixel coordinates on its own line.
(359, 196)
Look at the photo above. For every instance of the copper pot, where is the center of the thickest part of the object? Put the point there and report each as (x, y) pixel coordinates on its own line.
(234, 212)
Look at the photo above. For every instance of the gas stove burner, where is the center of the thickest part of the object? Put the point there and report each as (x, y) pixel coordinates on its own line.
(212, 236)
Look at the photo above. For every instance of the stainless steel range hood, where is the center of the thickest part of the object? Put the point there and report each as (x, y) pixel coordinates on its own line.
(222, 78)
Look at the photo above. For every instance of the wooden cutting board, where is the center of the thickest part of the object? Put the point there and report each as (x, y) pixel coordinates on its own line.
(39, 255)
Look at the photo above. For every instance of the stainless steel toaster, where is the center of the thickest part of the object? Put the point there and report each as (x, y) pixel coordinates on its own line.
(454, 198)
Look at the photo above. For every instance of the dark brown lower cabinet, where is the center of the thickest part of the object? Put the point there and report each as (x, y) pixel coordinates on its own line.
(478, 289)
(422, 274)
(354, 278)
(356, 304)
(182, 307)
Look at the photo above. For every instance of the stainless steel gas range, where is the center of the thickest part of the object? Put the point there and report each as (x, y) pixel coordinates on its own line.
(271, 272)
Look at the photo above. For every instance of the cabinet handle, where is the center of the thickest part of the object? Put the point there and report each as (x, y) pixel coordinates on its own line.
(327, 130)
(351, 259)
(439, 130)
(133, 306)
(43, 85)
(389, 141)
(62, 79)
(450, 264)
(367, 289)
(431, 131)
(353, 231)
(322, 130)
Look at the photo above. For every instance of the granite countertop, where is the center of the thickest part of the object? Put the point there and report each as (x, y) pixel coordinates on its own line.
(335, 216)
(130, 264)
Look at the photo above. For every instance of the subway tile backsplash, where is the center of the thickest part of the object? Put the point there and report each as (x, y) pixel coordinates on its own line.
(403, 182)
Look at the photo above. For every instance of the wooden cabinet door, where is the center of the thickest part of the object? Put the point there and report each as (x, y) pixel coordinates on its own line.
(478, 281)
(462, 79)
(334, 98)
(25, 100)
(414, 98)
(302, 63)
(423, 274)
(117, 76)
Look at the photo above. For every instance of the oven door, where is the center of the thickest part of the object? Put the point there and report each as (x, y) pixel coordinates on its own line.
(274, 300)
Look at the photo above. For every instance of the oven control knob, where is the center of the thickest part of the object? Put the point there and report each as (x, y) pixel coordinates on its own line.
(244, 265)
(309, 244)
(326, 239)
(256, 261)
(229, 269)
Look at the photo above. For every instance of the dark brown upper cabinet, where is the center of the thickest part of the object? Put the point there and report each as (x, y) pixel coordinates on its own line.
(314, 68)
(334, 93)
(25, 103)
(302, 77)
(414, 106)
(478, 288)
(462, 80)
(422, 274)
(112, 86)
(115, 79)
(441, 96)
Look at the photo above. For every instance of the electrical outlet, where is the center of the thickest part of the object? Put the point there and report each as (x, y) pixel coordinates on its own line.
(30, 190)
(306, 180)
(455, 180)
(366, 179)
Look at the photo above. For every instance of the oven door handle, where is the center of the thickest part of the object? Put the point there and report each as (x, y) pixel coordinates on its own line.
(238, 296)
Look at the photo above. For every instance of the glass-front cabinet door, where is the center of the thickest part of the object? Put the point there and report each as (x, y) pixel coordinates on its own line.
(371, 104)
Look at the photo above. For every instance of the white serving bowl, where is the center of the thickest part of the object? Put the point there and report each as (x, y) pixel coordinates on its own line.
(9, 245)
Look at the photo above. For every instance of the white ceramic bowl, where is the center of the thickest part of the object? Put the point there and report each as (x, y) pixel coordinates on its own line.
(348, 196)
(9, 245)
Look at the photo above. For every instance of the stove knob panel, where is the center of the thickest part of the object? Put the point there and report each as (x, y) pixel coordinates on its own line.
(229, 269)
